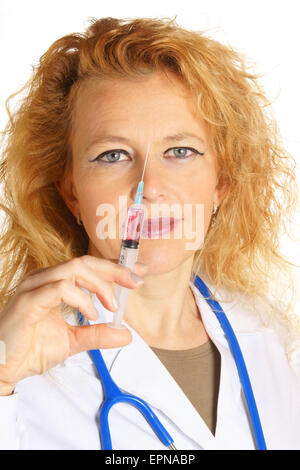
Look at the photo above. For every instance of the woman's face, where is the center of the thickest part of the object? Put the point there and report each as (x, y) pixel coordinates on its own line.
(180, 170)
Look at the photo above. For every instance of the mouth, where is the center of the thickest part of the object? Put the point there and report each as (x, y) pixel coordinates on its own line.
(153, 228)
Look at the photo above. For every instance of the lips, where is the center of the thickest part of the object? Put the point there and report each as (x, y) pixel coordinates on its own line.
(153, 228)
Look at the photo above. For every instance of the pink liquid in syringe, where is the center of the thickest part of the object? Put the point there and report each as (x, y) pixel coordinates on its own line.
(134, 225)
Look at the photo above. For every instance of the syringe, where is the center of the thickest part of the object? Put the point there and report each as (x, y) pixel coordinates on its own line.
(130, 246)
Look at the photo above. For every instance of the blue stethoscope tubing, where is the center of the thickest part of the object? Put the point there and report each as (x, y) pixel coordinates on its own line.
(113, 395)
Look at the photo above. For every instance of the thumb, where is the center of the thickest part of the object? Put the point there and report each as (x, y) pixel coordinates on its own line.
(83, 338)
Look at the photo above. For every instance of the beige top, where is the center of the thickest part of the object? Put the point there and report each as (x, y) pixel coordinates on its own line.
(197, 372)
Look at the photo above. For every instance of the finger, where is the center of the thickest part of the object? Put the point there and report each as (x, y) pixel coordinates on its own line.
(39, 301)
(87, 272)
(83, 338)
(113, 272)
(83, 277)
(39, 277)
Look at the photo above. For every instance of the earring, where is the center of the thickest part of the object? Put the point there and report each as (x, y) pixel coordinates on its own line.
(78, 219)
(215, 208)
(214, 216)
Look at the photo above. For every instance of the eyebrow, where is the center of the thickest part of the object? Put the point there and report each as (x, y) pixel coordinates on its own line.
(176, 137)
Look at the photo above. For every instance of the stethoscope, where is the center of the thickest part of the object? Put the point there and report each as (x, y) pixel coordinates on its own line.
(113, 395)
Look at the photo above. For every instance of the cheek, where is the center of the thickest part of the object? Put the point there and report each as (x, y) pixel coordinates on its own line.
(92, 191)
(199, 195)
(90, 195)
(101, 208)
(200, 191)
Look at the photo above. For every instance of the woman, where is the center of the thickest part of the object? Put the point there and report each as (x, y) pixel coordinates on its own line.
(95, 103)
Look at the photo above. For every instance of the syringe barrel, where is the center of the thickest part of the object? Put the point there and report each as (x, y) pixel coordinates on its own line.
(128, 257)
(134, 223)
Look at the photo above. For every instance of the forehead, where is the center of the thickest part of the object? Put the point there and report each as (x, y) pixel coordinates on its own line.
(150, 100)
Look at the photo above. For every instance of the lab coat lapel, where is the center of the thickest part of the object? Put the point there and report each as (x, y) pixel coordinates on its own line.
(233, 428)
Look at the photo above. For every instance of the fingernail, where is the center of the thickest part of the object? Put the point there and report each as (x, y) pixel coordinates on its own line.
(137, 279)
(142, 265)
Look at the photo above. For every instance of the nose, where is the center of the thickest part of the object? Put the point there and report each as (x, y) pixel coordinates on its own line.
(155, 182)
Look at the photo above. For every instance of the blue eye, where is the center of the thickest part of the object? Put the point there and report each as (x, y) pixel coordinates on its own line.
(113, 156)
(182, 152)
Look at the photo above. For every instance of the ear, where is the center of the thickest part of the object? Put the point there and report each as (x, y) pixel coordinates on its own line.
(67, 190)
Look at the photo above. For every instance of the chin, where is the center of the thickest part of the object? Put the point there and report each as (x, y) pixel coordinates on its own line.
(161, 258)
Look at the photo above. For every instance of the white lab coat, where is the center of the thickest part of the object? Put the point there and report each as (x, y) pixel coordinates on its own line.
(61, 411)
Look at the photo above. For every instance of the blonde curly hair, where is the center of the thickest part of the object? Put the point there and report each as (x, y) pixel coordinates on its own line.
(241, 248)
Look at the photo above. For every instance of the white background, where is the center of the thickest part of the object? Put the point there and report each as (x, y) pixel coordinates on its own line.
(267, 31)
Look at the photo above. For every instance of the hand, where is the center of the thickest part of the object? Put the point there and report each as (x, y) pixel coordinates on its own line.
(32, 327)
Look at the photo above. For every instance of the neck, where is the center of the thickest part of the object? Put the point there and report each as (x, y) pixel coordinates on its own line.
(164, 311)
